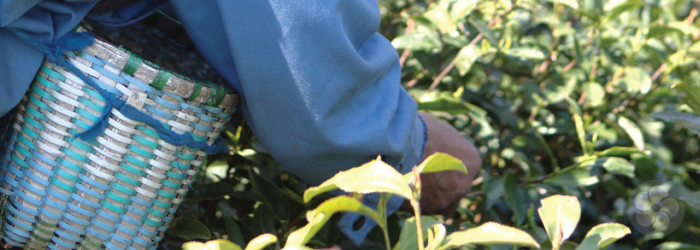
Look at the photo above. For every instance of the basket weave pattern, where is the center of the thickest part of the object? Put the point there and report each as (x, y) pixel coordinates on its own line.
(121, 190)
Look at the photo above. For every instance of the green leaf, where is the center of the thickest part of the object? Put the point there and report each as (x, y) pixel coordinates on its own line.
(210, 191)
(636, 80)
(373, 177)
(484, 29)
(515, 197)
(645, 168)
(261, 242)
(602, 235)
(297, 248)
(490, 233)
(439, 17)
(442, 102)
(270, 193)
(439, 162)
(671, 28)
(619, 166)
(571, 3)
(692, 199)
(233, 231)
(189, 229)
(687, 120)
(494, 188)
(595, 94)
(671, 245)
(416, 41)
(632, 131)
(619, 9)
(408, 237)
(319, 216)
(690, 95)
(461, 9)
(436, 236)
(211, 245)
(263, 220)
(560, 215)
(617, 151)
(466, 58)
(574, 176)
(568, 245)
(529, 53)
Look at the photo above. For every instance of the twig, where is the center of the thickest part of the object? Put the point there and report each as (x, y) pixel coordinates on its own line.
(473, 42)
(410, 25)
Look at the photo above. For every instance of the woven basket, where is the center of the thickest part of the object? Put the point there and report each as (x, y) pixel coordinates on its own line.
(121, 190)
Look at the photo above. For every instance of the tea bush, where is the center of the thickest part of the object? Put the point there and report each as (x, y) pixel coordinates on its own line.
(590, 103)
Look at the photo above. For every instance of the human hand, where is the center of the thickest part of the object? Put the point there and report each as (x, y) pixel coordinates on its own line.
(441, 191)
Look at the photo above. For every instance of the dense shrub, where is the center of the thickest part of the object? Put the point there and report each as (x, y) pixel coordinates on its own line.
(560, 97)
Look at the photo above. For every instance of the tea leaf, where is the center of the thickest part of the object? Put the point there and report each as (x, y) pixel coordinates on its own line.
(488, 234)
(560, 215)
(602, 235)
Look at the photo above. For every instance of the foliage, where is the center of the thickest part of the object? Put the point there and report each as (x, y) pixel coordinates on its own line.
(566, 100)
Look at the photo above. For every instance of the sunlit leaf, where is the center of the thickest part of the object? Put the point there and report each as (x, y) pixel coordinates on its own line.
(560, 215)
(577, 175)
(571, 3)
(211, 245)
(595, 94)
(672, 245)
(619, 166)
(408, 237)
(416, 41)
(189, 229)
(260, 242)
(636, 80)
(373, 177)
(319, 216)
(529, 53)
(466, 58)
(442, 102)
(438, 162)
(439, 17)
(438, 238)
(617, 151)
(490, 233)
(461, 9)
(632, 131)
(602, 235)
(619, 9)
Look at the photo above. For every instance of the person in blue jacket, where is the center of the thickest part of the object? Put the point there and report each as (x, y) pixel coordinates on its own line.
(320, 87)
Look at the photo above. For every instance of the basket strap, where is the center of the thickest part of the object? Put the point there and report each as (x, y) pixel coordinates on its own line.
(77, 41)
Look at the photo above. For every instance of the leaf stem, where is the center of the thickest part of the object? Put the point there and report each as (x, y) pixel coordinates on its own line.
(419, 228)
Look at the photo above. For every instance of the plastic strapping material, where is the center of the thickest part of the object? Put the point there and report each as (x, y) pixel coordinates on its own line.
(78, 41)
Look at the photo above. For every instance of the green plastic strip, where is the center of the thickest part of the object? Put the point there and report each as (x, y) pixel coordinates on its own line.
(126, 179)
(161, 79)
(195, 93)
(133, 64)
(141, 151)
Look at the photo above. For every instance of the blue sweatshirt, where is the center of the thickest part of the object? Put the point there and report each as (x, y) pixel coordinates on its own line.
(320, 87)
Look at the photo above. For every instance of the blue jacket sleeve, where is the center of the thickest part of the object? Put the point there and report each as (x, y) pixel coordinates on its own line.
(321, 88)
(19, 61)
